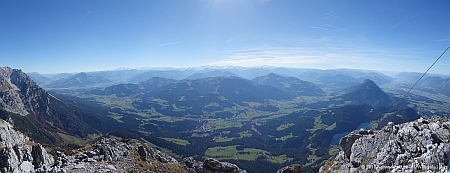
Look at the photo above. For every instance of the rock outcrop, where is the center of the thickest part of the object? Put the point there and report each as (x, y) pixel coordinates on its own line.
(294, 168)
(131, 155)
(20, 94)
(210, 165)
(418, 146)
(19, 154)
(114, 155)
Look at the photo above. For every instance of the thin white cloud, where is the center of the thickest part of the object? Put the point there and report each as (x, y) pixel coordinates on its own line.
(414, 16)
(231, 39)
(393, 26)
(288, 61)
(281, 56)
(166, 44)
(333, 16)
(86, 14)
(331, 25)
(319, 28)
(405, 20)
(325, 57)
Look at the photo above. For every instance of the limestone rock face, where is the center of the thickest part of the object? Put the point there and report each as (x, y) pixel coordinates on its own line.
(18, 153)
(422, 145)
(20, 94)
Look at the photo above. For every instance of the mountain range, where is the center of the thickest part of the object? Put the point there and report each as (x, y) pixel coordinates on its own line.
(438, 84)
(290, 84)
(214, 73)
(130, 88)
(31, 108)
(121, 76)
(80, 80)
(264, 122)
(342, 78)
(194, 96)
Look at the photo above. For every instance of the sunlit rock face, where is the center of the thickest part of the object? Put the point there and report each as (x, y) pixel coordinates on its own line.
(421, 145)
(18, 153)
(20, 94)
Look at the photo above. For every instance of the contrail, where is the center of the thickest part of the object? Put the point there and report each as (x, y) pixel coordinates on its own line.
(86, 14)
(392, 27)
(445, 39)
(166, 44)
(333, 16)
(315, 27)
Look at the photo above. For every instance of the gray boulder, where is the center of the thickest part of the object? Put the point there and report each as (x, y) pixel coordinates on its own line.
(210, 165)
(18, 153)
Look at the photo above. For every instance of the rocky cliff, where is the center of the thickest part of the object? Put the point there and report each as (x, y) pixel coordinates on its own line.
(42, 116)
(419, 146)
(19, 154)
(19, 94)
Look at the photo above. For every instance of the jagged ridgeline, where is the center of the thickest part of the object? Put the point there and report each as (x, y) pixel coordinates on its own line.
(44, 117)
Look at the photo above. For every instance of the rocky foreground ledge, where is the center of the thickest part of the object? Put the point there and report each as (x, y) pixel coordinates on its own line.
(19, 154)
(419, 146)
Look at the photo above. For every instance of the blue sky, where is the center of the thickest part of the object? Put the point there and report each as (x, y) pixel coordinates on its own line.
(56, 36)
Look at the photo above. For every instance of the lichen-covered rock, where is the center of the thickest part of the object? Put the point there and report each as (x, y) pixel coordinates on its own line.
(422, 145)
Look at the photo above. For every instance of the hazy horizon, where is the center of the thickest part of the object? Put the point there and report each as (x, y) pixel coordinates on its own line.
(201, 68)
(75, 36)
